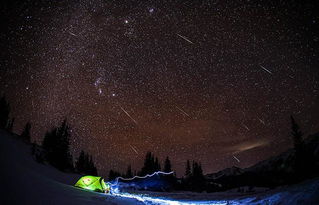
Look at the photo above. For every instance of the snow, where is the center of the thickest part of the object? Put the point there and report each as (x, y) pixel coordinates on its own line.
(24, 181)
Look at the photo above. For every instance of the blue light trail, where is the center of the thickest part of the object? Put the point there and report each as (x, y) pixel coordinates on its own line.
(114, 185)
(160, 201)
(152, 200)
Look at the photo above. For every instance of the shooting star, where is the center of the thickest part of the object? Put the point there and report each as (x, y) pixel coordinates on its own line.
(128, 115)
(182, 111)
(265, 69)
(245, 126)
(260, 120)
(186, 39)
(73, 34)
(236, 158)
(134, 149)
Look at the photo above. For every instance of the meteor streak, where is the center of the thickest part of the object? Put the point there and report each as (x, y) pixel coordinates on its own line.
(134, 149)
(128, 114)
(245, 126)
(186, 39)
(72, 33)
(263, 122)
(236, 158)
(265, 69)
(182, 111)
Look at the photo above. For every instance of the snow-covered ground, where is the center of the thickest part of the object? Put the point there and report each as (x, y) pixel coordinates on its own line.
(24, 181)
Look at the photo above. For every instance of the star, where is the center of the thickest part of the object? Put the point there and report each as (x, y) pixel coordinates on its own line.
(198, 86)
(151, 10)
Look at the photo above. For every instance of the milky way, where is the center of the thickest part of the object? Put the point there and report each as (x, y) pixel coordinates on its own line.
(212, 81)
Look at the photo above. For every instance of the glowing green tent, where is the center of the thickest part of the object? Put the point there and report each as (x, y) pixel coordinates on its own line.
(93, 183)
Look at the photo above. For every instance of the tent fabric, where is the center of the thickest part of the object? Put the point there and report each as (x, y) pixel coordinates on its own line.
(93, 183)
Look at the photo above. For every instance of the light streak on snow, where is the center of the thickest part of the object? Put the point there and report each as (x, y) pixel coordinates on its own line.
(148, 200)
(162, 201)
(182, 111)
(128, 114)
(236, 158)
(186, 39)
(134, 149)
(265, 69)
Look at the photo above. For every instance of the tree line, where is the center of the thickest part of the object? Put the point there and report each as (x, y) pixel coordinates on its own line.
(193, 180)
(151, 165)
(55, 147)
(55, 150)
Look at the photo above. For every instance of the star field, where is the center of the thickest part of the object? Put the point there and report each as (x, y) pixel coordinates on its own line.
(213, 81)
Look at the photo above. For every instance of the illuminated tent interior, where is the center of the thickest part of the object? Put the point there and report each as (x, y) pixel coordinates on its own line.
(93, 183)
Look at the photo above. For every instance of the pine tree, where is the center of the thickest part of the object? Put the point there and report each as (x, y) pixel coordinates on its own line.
(113, 175)
(297, 134)
(129, 172)
(25, 135)
(80, 163)
(157, 165)
(10, 125)
(188, 172)
(298, 144)
(57, 147)
(197, 179)
(64, 133)
(49, 145)
(148, 164)
(304, 159)
(167, 165)
(92, 169)
(151, 164)
(4, 112)
(85, 164)
(186, 182)
(200, 170)
(171, 179)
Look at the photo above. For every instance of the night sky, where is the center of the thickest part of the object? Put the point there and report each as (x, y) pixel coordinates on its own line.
(212, 81)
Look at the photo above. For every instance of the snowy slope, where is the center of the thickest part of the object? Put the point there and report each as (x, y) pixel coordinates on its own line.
(24, 181)
(306, 193)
